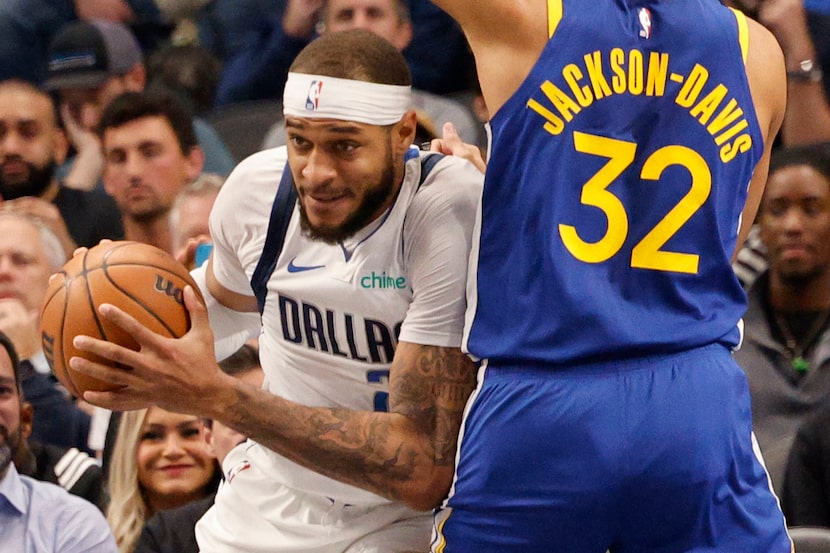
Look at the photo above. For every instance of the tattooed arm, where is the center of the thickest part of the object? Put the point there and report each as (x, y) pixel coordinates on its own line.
(405, 454)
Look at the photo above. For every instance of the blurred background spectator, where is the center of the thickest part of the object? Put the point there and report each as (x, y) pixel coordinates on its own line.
(151, 153)
(90, 63)
(29, 253)
(159, 461)
(786, 347)
(31, 147)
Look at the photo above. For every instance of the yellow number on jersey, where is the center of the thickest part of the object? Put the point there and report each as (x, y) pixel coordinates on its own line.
(620, 155)
(647, 254)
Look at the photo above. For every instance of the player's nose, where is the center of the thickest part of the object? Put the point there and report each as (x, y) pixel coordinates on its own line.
(318, 168)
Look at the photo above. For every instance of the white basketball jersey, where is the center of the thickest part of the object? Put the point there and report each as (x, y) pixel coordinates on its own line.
(334, 313)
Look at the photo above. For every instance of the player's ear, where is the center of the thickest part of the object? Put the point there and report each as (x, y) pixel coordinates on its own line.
(403, 134)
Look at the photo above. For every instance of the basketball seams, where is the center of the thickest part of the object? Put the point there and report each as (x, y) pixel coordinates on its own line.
(136, 299)
(59, 340)
(90, 300)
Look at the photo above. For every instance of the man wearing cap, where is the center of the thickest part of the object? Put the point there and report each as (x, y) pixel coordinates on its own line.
(27, 26)
(353, 247)
(92, 62)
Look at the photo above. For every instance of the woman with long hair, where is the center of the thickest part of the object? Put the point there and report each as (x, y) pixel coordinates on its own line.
(160, 461)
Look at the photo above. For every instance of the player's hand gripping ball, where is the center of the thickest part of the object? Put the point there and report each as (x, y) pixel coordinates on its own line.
(142, 280)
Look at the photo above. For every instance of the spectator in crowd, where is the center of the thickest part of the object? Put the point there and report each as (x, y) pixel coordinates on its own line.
(190, 215)
(159, 462)
(806, 495)
(189, 70)
(27, 26)
(786, 347)
(31, 147)
(173, 531)
(74, 470)
(390, 20)
(151, 153)
(29, 254)
(54, 431)
(38, 516)
(90, 63)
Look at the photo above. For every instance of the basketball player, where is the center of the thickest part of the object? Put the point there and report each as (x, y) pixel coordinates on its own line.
(361, 282)
(629, 148)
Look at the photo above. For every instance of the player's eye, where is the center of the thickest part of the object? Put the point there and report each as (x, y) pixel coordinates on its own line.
(298, 142)
(346, 146)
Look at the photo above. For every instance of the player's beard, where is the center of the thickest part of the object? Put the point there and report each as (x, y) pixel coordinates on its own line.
(38, 179)
(375, 197)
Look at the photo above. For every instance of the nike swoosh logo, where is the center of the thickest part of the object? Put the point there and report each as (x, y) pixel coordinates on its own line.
(301, 268)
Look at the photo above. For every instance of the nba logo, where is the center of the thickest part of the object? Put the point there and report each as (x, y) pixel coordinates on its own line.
(312, 101)
(645, 22)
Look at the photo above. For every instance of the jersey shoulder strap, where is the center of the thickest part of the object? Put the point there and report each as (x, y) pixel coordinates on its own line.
(281, 212)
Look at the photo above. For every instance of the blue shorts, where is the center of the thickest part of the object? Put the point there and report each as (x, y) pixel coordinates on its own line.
(649, 455)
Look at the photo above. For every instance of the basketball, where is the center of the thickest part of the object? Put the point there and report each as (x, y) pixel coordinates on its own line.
(140, 279)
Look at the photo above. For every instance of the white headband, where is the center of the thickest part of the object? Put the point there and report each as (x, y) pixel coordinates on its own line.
(322, 97)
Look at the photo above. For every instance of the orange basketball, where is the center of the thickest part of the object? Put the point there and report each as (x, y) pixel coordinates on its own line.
(142, 280)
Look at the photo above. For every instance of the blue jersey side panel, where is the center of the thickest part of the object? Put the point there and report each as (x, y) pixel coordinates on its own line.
(612, 199)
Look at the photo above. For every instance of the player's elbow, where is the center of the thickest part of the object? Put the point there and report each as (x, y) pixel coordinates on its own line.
(426, 492)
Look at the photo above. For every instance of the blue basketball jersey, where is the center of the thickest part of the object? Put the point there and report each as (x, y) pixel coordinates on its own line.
(617, 176)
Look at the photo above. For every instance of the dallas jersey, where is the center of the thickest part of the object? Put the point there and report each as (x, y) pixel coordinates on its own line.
(613, 194)
(333, 314)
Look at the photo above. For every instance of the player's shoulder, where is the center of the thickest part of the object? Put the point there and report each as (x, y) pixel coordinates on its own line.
(439, 171)
(263, 162)
(446, 182)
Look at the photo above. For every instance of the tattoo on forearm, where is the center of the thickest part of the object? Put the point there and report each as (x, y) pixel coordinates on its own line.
(381, 452)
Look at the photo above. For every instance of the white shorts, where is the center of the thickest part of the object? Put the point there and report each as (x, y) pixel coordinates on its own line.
(253, 513)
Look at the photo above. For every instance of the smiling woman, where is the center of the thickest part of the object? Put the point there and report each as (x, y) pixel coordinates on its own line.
(160, 461)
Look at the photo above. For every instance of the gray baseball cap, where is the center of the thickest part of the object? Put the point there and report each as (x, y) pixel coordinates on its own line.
(85, 54)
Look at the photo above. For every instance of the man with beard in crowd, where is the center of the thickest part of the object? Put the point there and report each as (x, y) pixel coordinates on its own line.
(151, 152)
(35, 515)
(31, 146)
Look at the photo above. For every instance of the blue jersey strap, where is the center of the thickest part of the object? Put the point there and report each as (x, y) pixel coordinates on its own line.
(427, 164)
(278, 226)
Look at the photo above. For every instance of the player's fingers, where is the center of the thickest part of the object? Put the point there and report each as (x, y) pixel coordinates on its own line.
(110, 351)
(115, 401)
(143, 335)
(197, 310)
(116, 378)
